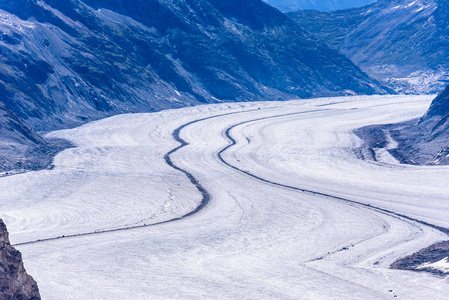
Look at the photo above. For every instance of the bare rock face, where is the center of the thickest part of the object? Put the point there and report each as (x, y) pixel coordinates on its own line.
(15, 283)
(420, 142)
(21, 148)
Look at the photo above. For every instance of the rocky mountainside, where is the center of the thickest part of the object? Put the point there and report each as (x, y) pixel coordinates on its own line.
(401, 42)
(421, 142)
(15, 283)
(439, 107)
(321, 5)
(434, 128)
(21, 148)
(64, 63)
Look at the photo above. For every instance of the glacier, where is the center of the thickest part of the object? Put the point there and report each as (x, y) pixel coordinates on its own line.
(293, 211)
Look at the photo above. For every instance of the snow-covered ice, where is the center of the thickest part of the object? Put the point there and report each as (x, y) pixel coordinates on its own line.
(254, 239)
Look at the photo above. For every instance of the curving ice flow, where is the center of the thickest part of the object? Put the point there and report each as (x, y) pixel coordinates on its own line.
(290, 212)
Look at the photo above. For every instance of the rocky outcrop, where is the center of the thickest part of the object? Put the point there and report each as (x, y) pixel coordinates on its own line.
(422, 142)
(15, 283)
(433, 127)
(433, 259)
(21, 148)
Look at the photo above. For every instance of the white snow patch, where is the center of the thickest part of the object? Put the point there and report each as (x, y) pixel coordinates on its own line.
(391, 144)
(422, 8)
(383, 156)
(442, 265)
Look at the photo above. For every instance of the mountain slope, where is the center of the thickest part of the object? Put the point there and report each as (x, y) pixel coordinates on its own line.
(434, 127)
(321, 5)
(66, 62)
(401, 42)
(21, 148)
(423, 141)
(427, 141)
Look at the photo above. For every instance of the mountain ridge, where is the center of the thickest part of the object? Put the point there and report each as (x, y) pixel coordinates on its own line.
(402, 43)
(111, 56)
(69, 62)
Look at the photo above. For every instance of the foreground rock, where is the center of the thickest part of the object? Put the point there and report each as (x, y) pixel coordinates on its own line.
(15, 283)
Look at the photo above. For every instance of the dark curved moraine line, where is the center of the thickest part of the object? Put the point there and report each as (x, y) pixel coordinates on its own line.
(167, 157)
(206, 196)
(232, 142)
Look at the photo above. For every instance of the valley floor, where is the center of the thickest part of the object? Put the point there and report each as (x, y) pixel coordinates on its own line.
(284, 207)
